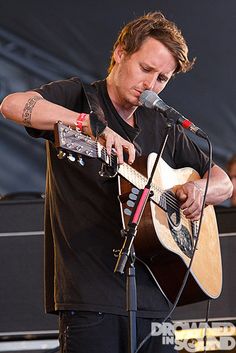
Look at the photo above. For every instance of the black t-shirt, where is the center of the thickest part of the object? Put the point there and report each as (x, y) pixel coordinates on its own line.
(82, 212)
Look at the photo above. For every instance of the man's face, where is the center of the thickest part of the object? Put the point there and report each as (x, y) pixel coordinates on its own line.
(151, 67)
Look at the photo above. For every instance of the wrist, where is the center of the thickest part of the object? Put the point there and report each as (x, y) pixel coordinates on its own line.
(80, 121)
(200, 188)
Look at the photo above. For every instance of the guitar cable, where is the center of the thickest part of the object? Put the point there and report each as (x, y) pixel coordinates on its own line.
(191, 261)
(206, 321)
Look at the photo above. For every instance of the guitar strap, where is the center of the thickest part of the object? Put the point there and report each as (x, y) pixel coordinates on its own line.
(97, 117)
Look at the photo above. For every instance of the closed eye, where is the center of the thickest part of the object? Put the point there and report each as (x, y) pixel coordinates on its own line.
(162, 78)
(146, 69)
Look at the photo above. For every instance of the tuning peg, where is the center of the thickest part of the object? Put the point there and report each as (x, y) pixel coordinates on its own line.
(135, 191)
(127, 212)
(130, 203)
(70, 157)
(61, 154)
(81, 161)
(133, 196)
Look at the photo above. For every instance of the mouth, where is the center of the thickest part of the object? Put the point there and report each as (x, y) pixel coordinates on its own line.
(137, 93)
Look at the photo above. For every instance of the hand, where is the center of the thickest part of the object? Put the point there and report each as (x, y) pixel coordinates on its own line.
(113, 140)
(190, 196)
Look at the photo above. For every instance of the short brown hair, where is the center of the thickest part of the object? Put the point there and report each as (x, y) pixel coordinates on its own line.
(154, 25)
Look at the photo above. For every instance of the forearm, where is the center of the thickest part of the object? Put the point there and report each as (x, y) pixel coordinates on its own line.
(30, 109)
(220, 187)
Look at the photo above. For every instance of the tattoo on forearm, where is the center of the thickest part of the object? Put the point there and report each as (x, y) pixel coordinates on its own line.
(26, 115)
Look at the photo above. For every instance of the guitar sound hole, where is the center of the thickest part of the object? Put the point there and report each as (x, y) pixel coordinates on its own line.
(179, 232)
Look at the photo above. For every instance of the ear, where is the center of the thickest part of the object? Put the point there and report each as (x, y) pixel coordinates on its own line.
(118, 53)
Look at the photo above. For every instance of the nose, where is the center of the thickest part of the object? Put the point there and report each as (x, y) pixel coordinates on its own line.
(150, 81)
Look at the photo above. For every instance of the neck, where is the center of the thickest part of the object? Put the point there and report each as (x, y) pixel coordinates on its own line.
(127, 116)
(123, 108)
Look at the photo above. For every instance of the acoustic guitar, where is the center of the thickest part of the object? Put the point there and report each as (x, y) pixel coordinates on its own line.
(165, 239)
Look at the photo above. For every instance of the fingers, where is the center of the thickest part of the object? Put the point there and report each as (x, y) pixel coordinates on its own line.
(108, 142)
(119, 144)
(119, 150)
(130, 150)
(191, 198)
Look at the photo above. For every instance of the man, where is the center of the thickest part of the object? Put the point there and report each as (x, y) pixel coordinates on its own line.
(83, 221)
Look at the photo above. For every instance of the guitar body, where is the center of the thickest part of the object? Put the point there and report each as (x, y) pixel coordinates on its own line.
(165, 238)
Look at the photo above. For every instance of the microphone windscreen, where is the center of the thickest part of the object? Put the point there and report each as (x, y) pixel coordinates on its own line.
(148, 98)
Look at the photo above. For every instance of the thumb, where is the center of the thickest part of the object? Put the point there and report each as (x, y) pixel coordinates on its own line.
(180, 194)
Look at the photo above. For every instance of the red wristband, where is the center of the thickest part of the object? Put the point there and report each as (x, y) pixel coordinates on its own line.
(79, 121)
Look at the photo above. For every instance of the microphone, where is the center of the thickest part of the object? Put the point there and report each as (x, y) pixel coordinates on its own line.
(151, 100)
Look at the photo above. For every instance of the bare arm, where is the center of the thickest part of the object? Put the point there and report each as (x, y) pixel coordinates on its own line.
(191, 194)
(30, 109)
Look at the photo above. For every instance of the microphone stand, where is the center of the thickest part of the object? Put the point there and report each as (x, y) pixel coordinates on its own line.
(126, 257)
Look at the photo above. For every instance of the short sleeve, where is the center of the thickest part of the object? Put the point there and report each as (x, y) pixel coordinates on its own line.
(63, 92)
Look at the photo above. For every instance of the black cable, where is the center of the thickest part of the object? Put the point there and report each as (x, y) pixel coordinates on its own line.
(194, 249)
(205, 331)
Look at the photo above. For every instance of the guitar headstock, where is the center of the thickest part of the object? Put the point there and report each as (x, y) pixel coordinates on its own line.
(73, 141)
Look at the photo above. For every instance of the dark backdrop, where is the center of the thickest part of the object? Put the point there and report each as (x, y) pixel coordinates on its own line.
(48, 40)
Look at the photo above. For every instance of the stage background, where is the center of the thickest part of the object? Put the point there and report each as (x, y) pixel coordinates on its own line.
(50, 40)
